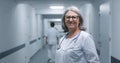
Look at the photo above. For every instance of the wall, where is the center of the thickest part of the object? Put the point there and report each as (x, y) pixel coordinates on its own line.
(94, 22)
(19, 39)
(115, 7)
(8, 35)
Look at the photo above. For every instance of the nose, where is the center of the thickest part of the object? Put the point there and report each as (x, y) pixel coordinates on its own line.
(70, 19)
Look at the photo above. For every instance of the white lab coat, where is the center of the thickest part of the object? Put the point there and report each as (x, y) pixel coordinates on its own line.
(52, 35)
(79, 49)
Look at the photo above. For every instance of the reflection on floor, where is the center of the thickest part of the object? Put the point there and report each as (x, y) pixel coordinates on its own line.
(40, 57)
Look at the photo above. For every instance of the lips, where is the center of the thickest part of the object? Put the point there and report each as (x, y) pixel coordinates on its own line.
(71, 23)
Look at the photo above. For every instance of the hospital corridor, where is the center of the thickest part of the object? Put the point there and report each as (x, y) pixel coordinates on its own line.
(24, 27)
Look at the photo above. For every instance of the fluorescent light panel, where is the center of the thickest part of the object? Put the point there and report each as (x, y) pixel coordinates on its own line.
(56, 7)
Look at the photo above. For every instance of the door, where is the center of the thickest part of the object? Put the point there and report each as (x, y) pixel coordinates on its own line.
(105, 33)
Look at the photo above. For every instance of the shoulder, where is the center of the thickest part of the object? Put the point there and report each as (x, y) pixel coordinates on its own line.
(86, 39)
(84, 34)
(62, 37)
(54, 29)
(49, 29)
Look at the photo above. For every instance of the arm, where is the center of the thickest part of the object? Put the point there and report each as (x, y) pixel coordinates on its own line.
(57, 32)
(57, 40)
(46, 40)
(90, 50)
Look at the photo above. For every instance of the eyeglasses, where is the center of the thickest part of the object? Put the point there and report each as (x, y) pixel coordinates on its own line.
(73, 17)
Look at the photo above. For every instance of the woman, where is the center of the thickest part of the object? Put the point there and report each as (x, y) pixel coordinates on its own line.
(76, 46)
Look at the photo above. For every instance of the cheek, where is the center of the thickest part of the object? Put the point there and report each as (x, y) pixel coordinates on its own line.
(65, 22)
(78, 22)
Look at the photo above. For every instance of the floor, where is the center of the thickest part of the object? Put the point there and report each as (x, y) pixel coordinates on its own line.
(40, 57)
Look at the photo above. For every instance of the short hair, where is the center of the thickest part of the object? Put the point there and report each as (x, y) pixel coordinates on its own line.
(52, 24)
(76, 10)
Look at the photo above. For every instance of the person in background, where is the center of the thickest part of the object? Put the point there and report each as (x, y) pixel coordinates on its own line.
(76, 46)
(52, 41)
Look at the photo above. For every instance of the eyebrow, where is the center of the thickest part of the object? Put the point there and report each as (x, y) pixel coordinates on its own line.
(73, 15)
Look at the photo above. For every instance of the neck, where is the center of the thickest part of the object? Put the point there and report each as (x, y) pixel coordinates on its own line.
(72, 33)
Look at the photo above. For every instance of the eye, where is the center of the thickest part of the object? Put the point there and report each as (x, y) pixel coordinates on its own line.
(73, 17)
(68, 17)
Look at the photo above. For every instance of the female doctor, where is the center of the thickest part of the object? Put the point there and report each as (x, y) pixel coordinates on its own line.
(76, 46)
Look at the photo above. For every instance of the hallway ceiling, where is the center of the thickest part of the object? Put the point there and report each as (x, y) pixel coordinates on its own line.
(43, 5)
(40, 4)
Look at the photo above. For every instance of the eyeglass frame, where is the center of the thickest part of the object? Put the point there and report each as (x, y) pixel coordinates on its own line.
(73, 17)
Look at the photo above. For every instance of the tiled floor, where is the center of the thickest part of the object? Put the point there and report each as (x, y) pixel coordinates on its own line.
(40, 57)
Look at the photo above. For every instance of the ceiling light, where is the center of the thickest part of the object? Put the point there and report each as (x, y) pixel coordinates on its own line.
(56, 7)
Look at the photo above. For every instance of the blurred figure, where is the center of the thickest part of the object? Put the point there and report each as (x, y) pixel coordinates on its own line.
(76, 46)
(52, 41)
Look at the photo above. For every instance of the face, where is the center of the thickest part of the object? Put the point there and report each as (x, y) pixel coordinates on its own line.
(71, 20)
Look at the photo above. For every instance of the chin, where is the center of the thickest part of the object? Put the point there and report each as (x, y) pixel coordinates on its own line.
(71, 27)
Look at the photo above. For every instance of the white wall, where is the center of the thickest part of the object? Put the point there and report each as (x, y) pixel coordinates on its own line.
(39, 29)
(11, 29)
(105, 32)
(94, 22)
(115, 7)
(18, 25)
